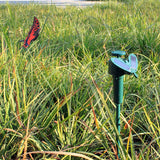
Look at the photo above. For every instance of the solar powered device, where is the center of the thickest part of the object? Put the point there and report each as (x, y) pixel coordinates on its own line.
(122, 66)
(118, 67)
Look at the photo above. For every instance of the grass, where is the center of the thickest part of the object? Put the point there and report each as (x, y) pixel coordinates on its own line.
(56, 96)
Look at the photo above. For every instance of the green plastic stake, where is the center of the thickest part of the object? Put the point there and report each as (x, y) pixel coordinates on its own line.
(118, 67)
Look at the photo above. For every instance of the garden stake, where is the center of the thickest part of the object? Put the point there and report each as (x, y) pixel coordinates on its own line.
(117, 68)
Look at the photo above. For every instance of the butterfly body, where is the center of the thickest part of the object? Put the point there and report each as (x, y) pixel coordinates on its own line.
(33, 33)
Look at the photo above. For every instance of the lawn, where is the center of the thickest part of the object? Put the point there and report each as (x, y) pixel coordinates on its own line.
(56, 96)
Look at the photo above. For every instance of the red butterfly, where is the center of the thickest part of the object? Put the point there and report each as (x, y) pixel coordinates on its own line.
(33, 33)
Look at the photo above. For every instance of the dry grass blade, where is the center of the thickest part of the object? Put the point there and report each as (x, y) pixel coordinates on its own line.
(95, 119)
(61, 153)
(26, 139)
(11, 130)
(90, 129)
(129, 134)
(112, 146)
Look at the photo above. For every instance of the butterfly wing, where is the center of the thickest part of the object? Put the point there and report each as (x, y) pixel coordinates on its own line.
(121, 64)
(33, 33)
(130, 65)
(133, 62)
